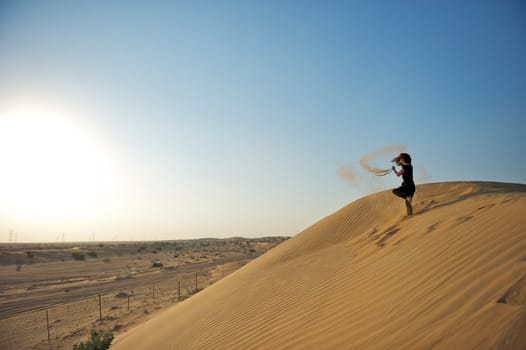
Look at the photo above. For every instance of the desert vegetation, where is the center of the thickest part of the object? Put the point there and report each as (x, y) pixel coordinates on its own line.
(96, 341)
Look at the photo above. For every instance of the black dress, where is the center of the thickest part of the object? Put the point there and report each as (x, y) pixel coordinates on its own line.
(408, 186)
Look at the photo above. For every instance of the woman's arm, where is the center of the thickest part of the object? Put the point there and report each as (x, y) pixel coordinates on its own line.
(398, 173)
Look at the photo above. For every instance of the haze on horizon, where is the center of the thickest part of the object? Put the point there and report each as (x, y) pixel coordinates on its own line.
(174, 120)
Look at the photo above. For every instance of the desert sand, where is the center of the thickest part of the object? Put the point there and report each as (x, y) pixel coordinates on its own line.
(452, 276)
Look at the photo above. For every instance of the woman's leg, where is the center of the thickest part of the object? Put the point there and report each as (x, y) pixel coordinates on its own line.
(408, 206)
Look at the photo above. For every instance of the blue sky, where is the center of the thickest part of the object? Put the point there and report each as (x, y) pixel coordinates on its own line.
(224, 118)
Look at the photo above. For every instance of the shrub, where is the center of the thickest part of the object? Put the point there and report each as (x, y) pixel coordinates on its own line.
(157, 264)
(95, 342)
(78, 256)
(92, 254)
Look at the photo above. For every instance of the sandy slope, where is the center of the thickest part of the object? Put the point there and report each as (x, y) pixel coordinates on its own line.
(453, 276)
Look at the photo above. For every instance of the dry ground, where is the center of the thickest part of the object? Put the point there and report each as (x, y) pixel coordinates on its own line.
(64, 280)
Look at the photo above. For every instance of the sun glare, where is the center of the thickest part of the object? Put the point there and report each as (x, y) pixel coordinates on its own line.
(52, 165)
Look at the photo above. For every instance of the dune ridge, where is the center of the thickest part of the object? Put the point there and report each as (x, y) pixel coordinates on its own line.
(453, 276)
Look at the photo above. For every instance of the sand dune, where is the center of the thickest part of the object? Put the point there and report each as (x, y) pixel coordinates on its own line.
(453, 276)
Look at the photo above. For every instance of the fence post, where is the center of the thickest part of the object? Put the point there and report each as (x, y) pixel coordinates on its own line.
(128, 303)
(153, 290)
(48, 336)
(100, 308)
(179, 290)
(196, 281)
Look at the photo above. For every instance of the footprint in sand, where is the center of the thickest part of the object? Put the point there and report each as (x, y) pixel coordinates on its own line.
(373, 234)
(486, 207)
(516, 294)
(427, 205)
(387, 233)
(432, 227)
(464, 218)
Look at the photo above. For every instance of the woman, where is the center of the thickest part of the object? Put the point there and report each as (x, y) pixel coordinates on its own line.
(407, 190)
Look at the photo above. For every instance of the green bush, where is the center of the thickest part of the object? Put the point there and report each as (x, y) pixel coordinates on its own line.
(95, 342)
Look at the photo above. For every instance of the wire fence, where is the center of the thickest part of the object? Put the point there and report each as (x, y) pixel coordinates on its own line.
(61, 325)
